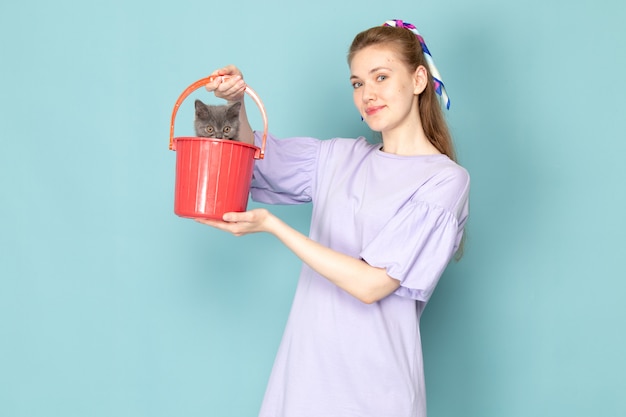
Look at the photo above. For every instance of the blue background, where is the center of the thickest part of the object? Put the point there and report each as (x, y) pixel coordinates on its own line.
(110, 305)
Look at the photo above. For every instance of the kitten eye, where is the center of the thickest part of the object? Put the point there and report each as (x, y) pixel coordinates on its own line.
(227, 129)
(209, 129)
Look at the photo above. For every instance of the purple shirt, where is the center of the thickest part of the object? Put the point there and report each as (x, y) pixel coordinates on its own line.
(340, 357)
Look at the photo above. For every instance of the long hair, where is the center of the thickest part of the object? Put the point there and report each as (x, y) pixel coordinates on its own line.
(410, 52)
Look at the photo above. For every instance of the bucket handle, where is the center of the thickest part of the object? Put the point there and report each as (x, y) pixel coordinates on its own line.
(201, 83)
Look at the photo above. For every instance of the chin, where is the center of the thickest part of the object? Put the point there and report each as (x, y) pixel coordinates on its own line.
(376, 127)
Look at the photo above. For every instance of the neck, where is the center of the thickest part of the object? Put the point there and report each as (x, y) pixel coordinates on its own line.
(409, 141)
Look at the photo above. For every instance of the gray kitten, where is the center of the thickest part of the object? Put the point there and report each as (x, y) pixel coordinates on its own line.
(220, 122)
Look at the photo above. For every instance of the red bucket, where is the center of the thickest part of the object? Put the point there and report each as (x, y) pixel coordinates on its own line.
(213, 176)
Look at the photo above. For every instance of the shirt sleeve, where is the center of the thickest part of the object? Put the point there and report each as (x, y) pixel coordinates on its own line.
(417, 243)
(415, 247)
(286, 175)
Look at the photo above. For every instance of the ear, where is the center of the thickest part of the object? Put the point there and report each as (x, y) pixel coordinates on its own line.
(420, 79)
(234, 109)
(201, 109)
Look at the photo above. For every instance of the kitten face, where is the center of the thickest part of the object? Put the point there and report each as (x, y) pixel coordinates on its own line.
(220, 122)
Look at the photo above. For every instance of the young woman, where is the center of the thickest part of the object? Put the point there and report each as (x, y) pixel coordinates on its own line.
(387, 219)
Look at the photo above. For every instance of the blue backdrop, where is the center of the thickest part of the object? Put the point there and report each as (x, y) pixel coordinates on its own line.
(110, 305)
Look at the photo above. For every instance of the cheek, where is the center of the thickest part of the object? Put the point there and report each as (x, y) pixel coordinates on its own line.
(356, 98)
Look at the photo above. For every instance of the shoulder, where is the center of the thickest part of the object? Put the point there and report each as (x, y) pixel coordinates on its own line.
(349, 144)
(452, 175)
(346, 148)
(447, 187)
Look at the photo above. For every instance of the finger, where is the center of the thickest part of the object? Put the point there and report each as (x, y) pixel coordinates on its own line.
(231, 89)
(231, 83)
(229, 70)
(226, 88)
(239, 217)
(234, 228)
(214, 223)
(213, 85)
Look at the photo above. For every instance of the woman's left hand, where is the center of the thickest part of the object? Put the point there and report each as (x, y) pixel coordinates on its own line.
(240, 224)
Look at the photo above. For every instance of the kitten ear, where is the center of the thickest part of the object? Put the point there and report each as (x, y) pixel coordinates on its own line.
(234, 109)
(201, 109)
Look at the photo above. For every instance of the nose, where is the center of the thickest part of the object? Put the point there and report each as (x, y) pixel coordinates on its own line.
(367, 93)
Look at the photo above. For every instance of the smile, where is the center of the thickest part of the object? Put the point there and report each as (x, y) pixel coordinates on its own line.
(372, 110)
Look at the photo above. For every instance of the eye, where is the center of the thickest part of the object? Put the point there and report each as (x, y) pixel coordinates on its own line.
(381, 78)
(356, 84)
(209, 129)
(227, 129)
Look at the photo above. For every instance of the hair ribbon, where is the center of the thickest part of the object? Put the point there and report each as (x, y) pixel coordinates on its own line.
(439, 87)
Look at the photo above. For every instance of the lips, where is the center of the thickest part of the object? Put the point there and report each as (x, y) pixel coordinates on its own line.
(373, 110)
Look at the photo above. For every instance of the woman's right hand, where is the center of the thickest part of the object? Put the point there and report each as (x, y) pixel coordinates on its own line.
(228, 85)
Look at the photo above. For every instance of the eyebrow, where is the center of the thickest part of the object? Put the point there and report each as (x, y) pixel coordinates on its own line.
(373, 70)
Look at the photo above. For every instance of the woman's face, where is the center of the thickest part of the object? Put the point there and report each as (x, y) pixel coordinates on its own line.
(385, 90)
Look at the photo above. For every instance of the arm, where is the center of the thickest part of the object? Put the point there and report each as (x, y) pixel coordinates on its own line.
(233, 89)
(363, 281)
